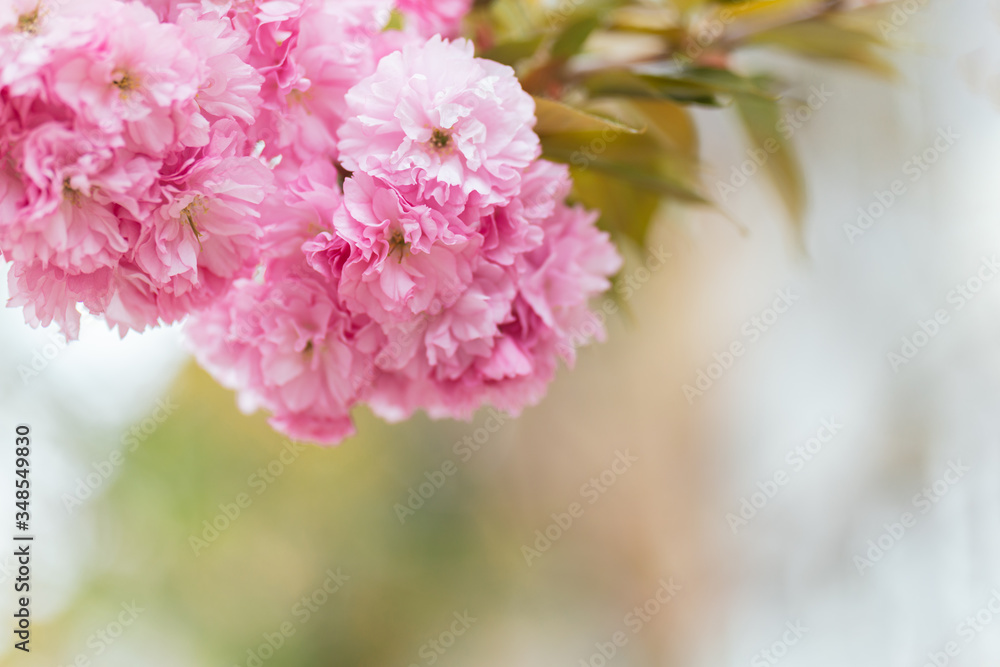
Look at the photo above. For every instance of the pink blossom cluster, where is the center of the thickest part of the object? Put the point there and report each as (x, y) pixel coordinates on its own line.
(128, 182)
(125, 182)
(349, 213)
(446, 272)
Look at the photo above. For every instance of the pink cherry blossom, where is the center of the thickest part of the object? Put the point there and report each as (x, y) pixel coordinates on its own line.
(302, 206)
(203, 233)
(346, 213)
(128, 186)
(32, 30)
(287, 346)
(431, 17)
(49, 295)
(133, 72)
(70, 190)
(500, 342)
(572, 265)
(311, 52)
(404, 260)
(442, 126)
(229, 86)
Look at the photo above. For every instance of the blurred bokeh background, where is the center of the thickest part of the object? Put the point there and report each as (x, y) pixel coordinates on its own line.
(626, 520)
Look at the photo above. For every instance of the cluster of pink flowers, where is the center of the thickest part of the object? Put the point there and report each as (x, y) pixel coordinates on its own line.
(349, 214)
(126, 183)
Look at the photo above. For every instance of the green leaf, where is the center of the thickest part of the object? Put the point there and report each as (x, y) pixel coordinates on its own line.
(760, 118)
(692, 85)
(558, 118)
(625, 209)
(670, 124)
(513, 19)
(824, 39)
(570, 41)
(650, 20)
(625, 174)
(622, 83)
(634, 159)
(514, 51)
(725, 82)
